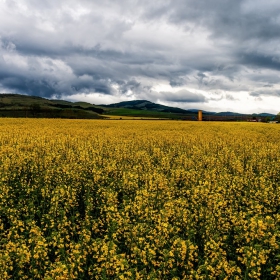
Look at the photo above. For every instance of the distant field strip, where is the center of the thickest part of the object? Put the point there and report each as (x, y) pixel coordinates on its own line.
(97, 199)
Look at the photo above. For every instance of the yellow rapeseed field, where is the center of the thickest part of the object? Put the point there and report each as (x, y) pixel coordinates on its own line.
(97, 199)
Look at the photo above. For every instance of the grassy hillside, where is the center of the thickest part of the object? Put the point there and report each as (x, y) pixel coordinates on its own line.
(148, 106)
(144, 108)
(15, 105)
(146, 113)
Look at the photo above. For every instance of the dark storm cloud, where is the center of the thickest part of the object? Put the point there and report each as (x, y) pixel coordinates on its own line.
(260, 60)
(28, 86)
(130, 86)
(178, 81)
(125, 48)
(251, 26)
(236, 20)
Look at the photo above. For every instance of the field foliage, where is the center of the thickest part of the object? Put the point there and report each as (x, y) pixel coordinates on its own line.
(95, 199)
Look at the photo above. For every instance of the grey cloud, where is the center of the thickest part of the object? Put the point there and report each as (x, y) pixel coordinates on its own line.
(263, 93)
(260, 60)
(178, 81)
(248, 25)
(269, 86)
(130, 86)
(226, 18)
(230, 97)
(182, 96)
(29, 86)
(218, 97)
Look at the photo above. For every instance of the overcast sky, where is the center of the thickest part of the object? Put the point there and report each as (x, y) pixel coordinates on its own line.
(216, 55)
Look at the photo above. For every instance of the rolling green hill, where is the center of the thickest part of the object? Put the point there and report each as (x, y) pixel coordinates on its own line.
(147, 106)
(144, 108)
(16, 105)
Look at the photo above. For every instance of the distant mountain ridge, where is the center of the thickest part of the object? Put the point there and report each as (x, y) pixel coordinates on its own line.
(17, 105)
(148, 105)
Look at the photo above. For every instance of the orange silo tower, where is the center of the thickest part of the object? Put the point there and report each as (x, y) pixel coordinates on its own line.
(200, 115)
